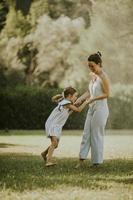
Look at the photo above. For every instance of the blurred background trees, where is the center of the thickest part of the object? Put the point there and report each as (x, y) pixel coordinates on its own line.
(49, 41)
(45, 43)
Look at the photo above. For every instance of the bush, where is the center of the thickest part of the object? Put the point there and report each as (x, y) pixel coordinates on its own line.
(28, 108)
(25, 108)
(121, 113)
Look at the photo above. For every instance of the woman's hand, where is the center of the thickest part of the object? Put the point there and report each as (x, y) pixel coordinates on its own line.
(82, 98)
(89, 100)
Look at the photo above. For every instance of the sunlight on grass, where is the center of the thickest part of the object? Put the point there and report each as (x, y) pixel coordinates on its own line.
(65, 132)
(23, 175)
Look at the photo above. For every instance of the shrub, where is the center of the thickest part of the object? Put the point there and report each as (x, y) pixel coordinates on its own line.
(28, 108)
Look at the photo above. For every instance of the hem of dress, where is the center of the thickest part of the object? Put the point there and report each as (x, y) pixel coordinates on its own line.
(49, 136)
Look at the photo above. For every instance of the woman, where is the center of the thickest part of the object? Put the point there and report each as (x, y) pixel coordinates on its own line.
(98, 91)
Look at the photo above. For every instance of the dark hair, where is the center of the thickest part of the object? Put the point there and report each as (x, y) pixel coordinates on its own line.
(96, 57)
(66, 92)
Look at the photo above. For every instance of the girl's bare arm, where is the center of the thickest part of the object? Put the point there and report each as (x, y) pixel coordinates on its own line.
(77, 109)
(82, 98)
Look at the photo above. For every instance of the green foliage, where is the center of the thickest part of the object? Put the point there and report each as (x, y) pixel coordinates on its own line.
(27, 57)
(38, 8)
(3, 13)
(16, 24)
(25, 107)
(28, 108)
(60, 44)
(47, 36)
(37, 54)
(23, 6)
(3, 79)
(72, 9)
(121, 113)
(15, 78)
(11, 79)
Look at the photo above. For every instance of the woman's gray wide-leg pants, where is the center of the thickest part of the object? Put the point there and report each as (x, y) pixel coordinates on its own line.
(93, 134)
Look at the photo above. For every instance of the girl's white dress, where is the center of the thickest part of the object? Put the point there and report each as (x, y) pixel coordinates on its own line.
(57, 119)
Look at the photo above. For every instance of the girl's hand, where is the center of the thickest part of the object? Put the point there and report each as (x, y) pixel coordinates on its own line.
(57, 98)
(78, 102)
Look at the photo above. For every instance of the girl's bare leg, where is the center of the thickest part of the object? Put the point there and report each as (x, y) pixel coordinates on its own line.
(54, 144)
(44, 154)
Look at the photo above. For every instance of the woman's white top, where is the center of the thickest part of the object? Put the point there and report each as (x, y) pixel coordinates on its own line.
(96, 89)
(57, 119)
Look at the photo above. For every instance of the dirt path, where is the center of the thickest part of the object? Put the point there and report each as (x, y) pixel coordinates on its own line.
(115, 146)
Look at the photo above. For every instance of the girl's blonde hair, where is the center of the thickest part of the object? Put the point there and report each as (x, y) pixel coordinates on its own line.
(67, 91)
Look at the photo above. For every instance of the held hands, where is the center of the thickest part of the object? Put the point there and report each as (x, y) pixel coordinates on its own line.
(89, 100)
(78, 102)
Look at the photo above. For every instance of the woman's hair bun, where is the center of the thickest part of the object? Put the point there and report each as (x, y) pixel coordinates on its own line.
(99, 53)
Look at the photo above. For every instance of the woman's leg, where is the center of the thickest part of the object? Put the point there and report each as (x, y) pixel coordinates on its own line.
(97, 135)
(54, 144)
(85, 144)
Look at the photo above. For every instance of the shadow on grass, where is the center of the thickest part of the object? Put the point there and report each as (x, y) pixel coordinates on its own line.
(25, 171)
(6, 145)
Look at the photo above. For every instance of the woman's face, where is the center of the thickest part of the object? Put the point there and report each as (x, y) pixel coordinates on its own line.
(95, 68)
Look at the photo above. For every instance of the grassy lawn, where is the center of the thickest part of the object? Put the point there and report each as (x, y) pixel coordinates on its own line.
(23, 175)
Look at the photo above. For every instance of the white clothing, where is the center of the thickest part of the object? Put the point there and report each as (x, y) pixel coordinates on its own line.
(57, 119)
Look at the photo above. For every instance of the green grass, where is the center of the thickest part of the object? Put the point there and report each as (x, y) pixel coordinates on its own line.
(23, 176)
(21, 172)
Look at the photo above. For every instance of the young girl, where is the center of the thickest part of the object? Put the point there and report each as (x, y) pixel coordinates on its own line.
(57, 119)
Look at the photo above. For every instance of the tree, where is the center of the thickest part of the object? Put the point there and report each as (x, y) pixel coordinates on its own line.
(3, 13)
(53, 40)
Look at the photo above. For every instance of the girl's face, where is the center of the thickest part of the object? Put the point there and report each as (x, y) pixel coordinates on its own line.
(95, 68)
(74, 97)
